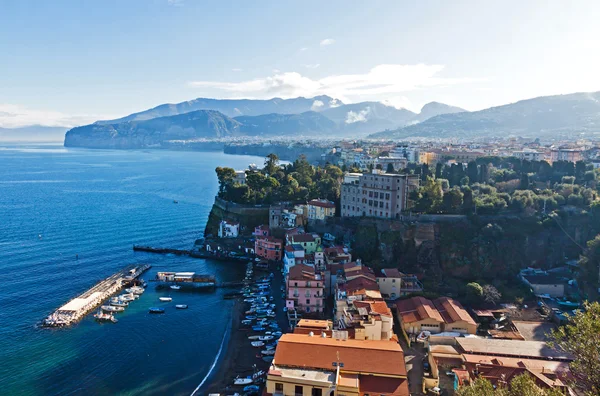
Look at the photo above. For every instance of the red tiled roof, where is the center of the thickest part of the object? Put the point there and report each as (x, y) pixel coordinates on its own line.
(302, 272)
(365, 356)
(378, 307)
(302, 238)
(391, 272)
(322, 204)
(388, 386)
(360, 283)
(452, 310)
(363, 270)
(416, 309)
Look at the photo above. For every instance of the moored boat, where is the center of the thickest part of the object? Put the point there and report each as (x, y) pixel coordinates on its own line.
(175, 287)
(165, 299)
(268, 352)
(154, 310)
(181, 306)
(257, 344)
(110, 308)
(105, 317)
(118, 303)
(242, 381)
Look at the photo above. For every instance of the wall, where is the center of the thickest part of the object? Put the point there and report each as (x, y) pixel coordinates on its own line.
(248, 216)
(416, 327)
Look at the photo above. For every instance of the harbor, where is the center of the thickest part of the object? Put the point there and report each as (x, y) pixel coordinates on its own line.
(78, 307)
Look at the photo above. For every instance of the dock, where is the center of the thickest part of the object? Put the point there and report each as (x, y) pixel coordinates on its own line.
(77, 308)
(190, 253)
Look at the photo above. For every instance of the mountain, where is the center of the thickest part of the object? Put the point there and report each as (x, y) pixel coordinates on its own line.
(433, 109)
(233, 107)
(307, 123)
(360, 119)
(547, 116)
(194, 125)
(136, 134)
(34, 133)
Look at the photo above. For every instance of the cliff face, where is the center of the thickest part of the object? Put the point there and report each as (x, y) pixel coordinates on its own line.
(248, 216)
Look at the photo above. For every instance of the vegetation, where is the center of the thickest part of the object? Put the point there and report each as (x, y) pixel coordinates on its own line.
(521, 385)
(298, 181)
(494, 185)
(581, 338)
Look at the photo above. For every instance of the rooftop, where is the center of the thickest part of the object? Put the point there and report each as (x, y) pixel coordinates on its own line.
(416, 309)
(322, 203)
(376, 307)
(452, 311)
(510, 348)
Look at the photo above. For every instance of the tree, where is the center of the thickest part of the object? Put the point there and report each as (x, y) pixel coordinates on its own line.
(226, 176)
(491, 294)
(439, 167)
(271, 164)
(472, 171)
(590, 263)
(474, 291)
(453, 200)
(521, 385)
(524, 182)
(479, 387)
(580, 337)
(390, 168)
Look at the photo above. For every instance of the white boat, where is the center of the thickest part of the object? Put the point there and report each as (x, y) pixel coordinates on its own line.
(253, 337)
(165, 299)
(266, 338)
(105, 317)
(268, 352)
(110, 308)
(181, 306)
(242, 381)
(175, 287)
(257, 344)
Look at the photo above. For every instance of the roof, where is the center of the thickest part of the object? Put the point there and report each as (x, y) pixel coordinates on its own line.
(452, 311)
(371, 385)
(416, 309)
(376, 307)
(509, 348)
(314, 323)
(552, 366)
(544, 279)
(322, 203)
(362, 270)
(269, 239)
(302, 272)
(302, 238)
(391, 272)
(356, 284)
(364, 356)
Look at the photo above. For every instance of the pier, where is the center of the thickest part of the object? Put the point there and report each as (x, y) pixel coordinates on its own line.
(190, 253)
(77, 308)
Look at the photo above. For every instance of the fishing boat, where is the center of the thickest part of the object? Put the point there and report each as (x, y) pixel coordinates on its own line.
(110, 308)
(250, 317)
(175, 287)
(154, 310)
(268, 352)
(181, 306)
(253, 338)
(268, 359)
(105, 317)
(258, 328)
(246, 322)
(249, 300)
(165, 299)
(118, 303)
(242, 381)
(251, 388)
(257, 344)
(265, 338)
(277, 334)
(126, 297)
(135, 290)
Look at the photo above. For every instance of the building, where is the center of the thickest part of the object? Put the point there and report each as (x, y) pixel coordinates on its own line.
(543, 283)
(240, 177)
(305, 289)
(294, 254)
(370, 320)
(310, 242)
(538, 350)
(229, 229)
(268, 247)
(281, 217)
(393, 283)
(529, 155)
(337, 255)
(396, 162)
(444, 314)
(566, 154)
(378, 194)
(262, 231)
(320, 209)
(408, 152)
(322, 366)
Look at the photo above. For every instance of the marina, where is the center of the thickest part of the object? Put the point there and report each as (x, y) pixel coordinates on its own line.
(77, 308)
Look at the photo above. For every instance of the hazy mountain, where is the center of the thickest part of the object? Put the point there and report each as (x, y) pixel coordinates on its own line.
(433, 109)
(548, 116)
(234, 107)
(308, 123)
(33, 133)
(194, 125)
(135, 134)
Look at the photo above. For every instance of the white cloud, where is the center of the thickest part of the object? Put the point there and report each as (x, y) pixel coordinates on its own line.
(400, 102)
(14, 116)
(361, 116)
(313, 66)
(317, 104)
(237, 69)
(326, 42)
(303, 49)
(380, 83)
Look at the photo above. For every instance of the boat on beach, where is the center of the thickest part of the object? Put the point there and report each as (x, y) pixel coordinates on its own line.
(257, 344)
(268, 352)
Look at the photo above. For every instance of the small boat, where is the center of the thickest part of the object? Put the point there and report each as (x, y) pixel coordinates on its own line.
(165, 299)
(126, 297)
(105, 317)
(253, 337)
(268, 359)
(268, 352)
(251, 388)
(110, 308)
(242, 381)
(250, 317)
(568, 304)
(156, 310)
(175, 287)
(257, 344)
(246, 322)
(258, 328)
(181, 306)
(175, 201)
(277, 334)
(135, 290)
(120, 304)
(249, 300)
(265, 338)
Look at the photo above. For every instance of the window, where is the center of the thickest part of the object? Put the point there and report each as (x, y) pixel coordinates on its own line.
(376, 195)
(317, 392)
(387, 196)
(307, 301)
(278, 387)
(393, 280)
(296, 284)
(298, 390)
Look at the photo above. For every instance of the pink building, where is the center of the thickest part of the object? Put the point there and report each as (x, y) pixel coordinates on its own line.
(262, 230)
(305, 289)
(268, 247)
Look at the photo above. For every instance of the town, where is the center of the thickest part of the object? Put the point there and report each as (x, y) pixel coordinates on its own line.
(365, 322)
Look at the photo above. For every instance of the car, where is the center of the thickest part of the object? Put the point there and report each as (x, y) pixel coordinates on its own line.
(426, 367)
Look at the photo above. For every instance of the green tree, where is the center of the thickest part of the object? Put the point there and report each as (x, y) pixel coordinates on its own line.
(521, 385)
(589, 264)
(390, 168)
(472, 171)
(491, 294)
(479, 387)
(453, 200)
(524, 182)
(580, 337)
(271, 164)
(226, 176)
(474, 292)
(439, 168)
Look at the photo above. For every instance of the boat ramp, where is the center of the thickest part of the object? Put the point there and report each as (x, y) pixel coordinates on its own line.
(77, 308)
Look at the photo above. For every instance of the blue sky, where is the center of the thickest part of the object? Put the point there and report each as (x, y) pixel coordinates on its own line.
(71, 62)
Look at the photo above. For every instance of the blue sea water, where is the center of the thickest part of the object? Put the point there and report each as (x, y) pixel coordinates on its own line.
(57, 204)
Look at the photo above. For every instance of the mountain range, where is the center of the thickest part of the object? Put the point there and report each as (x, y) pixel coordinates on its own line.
(544, 117)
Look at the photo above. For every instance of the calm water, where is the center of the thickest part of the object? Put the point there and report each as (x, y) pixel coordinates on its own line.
(97, 204)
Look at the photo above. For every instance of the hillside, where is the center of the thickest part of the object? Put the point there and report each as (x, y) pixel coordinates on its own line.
(550, 117)
(308, 123)
(233, 107)
(433, 109)
(136, 134)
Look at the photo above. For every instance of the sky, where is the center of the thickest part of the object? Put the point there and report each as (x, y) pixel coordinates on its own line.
(69, 63)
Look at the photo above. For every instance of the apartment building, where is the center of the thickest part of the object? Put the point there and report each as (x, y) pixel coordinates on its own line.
(566, 154)
(268, 247)
(320, 209)
(305, 289)
(378, 194)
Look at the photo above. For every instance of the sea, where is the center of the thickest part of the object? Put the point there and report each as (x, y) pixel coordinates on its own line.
(68, 219)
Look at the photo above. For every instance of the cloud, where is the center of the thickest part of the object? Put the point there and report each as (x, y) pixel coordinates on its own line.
(317, 104)
(379, 83)
(303, 49)
(313, 66)
(361, 116)
(15, 116)
(400, 102)
(237, 69)
(326, 42)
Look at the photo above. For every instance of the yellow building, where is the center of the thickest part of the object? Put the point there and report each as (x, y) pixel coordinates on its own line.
(313, 365)
(320, 209)
(443, 314)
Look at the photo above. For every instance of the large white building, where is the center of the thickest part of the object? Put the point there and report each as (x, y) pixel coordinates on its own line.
(377, 194)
